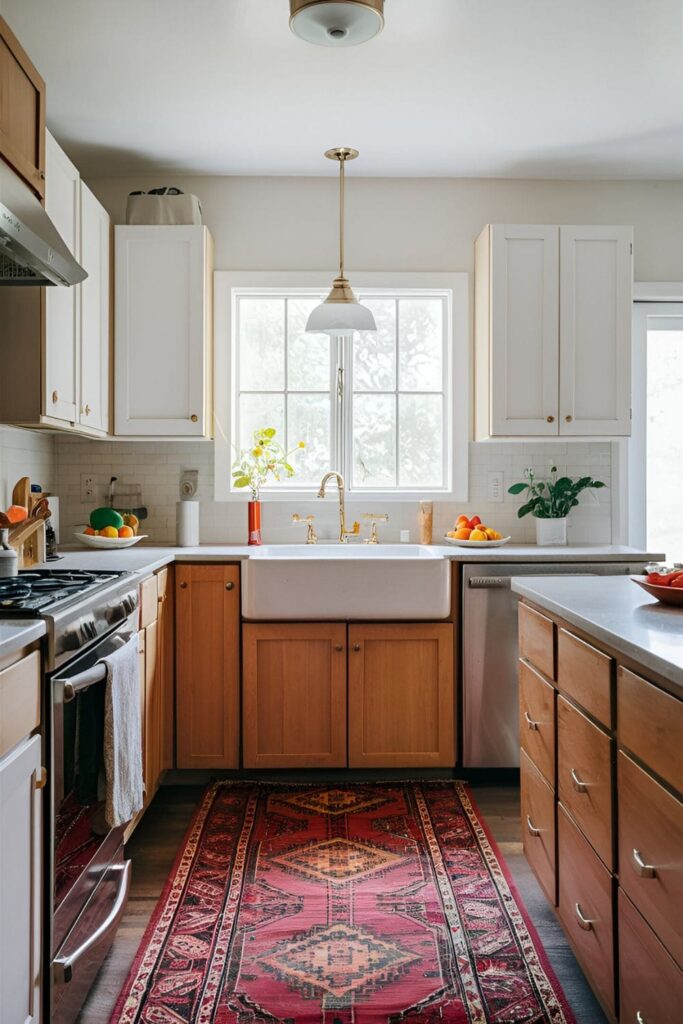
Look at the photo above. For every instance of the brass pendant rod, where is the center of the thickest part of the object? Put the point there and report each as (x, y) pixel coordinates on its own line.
(342, 181)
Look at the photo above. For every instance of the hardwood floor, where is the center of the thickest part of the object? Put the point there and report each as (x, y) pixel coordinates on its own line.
(155, 844)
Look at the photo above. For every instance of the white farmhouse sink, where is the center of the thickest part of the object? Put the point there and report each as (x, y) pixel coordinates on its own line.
(345, 581)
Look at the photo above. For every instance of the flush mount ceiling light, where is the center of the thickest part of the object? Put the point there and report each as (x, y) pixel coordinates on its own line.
(336, 22)
(341, 312)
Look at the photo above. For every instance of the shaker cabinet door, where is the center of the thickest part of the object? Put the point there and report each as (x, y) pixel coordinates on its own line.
(95, 313)
(596, 306)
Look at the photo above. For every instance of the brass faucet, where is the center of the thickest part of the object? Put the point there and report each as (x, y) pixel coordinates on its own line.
(344, 534)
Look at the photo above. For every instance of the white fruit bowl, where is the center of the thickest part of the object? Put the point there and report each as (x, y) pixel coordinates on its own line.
(477, 543)
(103, 543)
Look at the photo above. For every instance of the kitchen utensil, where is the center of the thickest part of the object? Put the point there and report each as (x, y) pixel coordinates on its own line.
(92, 541)
(667, 595)
(477, 543)
(21, 495)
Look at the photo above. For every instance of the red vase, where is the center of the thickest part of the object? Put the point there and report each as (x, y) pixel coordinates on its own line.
(255, 522)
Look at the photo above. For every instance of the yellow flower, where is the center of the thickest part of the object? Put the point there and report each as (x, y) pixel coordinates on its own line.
(302, 444)
(257, 452)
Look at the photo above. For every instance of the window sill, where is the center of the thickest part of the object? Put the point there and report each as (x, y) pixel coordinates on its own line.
(351, 497)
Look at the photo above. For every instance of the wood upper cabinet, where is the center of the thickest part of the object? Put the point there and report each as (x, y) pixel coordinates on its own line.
(20, 884)
(163, 305)
(294, 695)
(22, 111)
(401, 695)
(553, 330)
(596, 307)
(207, 665)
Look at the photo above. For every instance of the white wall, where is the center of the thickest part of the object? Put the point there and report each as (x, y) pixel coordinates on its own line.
(392, 224)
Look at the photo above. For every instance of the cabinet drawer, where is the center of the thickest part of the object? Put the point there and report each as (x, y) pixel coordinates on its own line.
(538, 826)
(537, 640)
(585, 674)
(585, 907)
(584, 776)
(651, 830)
(650, 983)
(537, 720)
(650, 724)
(148, 601)
(19, 701)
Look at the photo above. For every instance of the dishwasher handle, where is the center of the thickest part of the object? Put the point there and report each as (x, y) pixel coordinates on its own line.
(487, 582)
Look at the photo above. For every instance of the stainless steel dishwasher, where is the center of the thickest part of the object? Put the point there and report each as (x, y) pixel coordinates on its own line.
(490, 650)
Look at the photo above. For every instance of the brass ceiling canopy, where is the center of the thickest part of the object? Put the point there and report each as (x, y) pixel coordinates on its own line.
(336, 22)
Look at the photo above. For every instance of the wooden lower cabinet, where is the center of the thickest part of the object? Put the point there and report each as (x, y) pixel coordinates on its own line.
(650, 981)
(153, 707)
(294, 695)
(207, 665)
(537, 720)
(166, 656)
(401, 696)
(586, 907)
(538, 826)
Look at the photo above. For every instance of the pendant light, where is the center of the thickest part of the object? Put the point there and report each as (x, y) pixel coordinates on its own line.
(336, 22)
(341, 312)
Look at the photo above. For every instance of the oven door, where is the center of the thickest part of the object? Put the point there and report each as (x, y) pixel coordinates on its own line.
(88, 877)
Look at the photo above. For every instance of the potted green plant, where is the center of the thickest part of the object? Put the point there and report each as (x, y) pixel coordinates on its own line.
(254, 466)
(550, 502)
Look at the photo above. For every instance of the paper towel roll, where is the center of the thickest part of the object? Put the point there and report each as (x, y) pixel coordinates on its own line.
(187, 524)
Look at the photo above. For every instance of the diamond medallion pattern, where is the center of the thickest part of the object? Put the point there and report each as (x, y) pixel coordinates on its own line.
(335, 801)
(338, 860)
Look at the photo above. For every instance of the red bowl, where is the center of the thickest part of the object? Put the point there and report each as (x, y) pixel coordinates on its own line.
(667, 595)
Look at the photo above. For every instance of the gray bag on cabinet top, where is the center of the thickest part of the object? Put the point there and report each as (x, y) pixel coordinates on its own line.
(163, 206)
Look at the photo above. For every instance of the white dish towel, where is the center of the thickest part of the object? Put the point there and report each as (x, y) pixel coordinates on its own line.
(124, 795)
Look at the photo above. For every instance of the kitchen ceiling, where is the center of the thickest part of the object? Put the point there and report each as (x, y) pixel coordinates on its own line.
(466, 88)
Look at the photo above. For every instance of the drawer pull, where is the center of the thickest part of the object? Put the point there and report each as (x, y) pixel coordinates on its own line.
(579, 786)
(643, 869)
(532, 828)
(583, 921)
(639, 1018)
(530, 722)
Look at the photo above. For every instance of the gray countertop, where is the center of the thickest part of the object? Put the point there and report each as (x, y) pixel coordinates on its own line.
(617, 612)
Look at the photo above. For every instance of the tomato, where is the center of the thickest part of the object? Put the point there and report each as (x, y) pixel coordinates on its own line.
(678, 582)
(664, 579)
(474, 521)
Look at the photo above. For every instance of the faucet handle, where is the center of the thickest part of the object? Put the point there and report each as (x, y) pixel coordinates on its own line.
(311, 535)
(375, 518)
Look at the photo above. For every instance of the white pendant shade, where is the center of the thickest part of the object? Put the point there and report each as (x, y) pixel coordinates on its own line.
(343, 23)
(335, 318)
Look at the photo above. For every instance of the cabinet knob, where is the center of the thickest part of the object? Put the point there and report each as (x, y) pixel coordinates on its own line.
(550, 419)
(41, 175)
(183, 585)
(55, 397)
(568, 419)
(41, 778)
(88, 410)
(339, 647)
(356, 647)
(193, 417)
(229, 585)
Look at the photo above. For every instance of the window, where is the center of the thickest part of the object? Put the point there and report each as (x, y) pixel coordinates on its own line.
(388, 410)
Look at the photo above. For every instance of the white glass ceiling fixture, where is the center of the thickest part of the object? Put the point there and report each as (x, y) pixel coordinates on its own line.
(341, 312)
(336, 22)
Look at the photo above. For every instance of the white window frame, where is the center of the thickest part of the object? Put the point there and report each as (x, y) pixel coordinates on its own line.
(653, 301)
(227, 283)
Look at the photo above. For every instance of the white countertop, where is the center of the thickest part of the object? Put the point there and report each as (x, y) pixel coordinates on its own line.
(617, 612)
(16, 634)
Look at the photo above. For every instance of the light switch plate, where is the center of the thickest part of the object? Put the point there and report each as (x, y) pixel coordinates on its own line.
(495, 486)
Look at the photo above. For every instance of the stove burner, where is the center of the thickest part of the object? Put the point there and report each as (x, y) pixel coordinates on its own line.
(35, 591)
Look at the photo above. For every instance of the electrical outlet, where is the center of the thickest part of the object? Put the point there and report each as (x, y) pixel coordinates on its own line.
(495, 486)
(87, 487)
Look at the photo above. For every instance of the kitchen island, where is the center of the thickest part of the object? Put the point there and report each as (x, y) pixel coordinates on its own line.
(601, 724)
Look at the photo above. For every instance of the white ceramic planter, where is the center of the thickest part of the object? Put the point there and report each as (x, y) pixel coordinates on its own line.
(551, 532)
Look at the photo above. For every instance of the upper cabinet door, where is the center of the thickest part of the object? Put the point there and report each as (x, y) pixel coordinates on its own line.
(22, 111)
(524, 276)
(95, 257)
(596, 283)
(62, 323)
(163, 331)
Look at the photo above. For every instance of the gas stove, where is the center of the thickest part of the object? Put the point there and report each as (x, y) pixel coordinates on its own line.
(78, 606)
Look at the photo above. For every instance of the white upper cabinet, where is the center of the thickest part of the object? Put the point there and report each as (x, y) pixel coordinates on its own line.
(93, 410)
(62, 321)
(596, 302)
(21, 903)
(552, 331)
(163, 316)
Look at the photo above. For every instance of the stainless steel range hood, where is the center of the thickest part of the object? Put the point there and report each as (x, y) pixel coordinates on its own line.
(32, 252)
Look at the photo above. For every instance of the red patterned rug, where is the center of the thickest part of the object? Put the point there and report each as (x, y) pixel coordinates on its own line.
(352, 905)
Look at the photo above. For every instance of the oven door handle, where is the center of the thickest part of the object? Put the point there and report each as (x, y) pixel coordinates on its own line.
(95, 674)
(64, 967)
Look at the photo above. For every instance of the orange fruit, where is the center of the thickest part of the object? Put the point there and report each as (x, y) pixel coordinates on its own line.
(109, 531)
(463, 533)
(90, 532)
(461, 520)
(478, 535)
(126, 531)
(132, 521)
